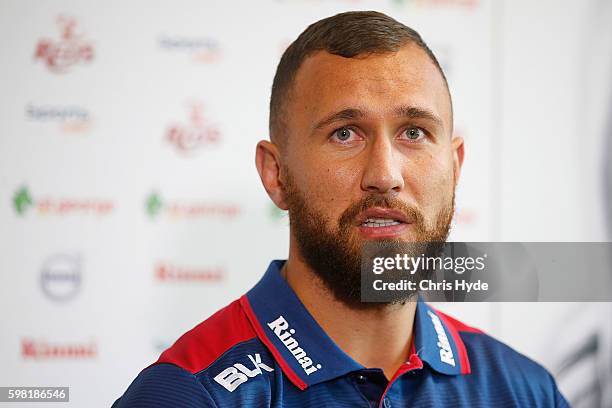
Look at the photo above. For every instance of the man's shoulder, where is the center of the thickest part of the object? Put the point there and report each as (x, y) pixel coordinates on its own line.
(198, 348)
(167, 385)
(503, 367)
(215, 353)
(488, 351)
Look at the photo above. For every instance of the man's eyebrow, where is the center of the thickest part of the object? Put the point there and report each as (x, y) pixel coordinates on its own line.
(414, 112)
(406, 111)
(344, 114)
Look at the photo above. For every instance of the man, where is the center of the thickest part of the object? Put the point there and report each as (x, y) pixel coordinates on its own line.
(361, 150)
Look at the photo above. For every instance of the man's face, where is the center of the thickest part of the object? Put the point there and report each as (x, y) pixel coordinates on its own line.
(369, 156)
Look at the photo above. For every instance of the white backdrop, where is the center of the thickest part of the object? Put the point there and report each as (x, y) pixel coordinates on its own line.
(131, 209)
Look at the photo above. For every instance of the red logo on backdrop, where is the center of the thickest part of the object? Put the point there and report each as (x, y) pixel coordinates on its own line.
(198, 132)
(42, 350)
(69, 50)
(172, 273)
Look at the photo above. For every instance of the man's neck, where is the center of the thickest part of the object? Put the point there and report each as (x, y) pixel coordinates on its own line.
(361, 333)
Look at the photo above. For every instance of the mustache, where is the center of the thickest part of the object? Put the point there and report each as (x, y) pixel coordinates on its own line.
(376, 200)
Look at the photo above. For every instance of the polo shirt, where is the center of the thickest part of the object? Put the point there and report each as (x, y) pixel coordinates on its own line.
(266, 350)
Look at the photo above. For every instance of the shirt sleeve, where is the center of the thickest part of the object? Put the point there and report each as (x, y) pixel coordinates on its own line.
(560, 401)
(165, 386)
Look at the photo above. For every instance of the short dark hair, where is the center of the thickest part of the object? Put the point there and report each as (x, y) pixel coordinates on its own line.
(346, 34)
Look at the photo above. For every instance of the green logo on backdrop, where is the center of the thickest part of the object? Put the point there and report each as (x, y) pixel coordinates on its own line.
(22, 200)
(153, 204)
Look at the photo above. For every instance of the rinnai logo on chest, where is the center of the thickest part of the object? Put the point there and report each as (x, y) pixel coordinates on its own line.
(280, 327)
(446, 352)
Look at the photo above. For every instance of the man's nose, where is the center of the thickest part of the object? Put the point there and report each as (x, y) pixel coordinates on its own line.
(383, 171)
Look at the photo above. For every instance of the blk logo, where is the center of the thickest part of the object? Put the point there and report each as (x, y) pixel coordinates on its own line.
(233, 376)
(70, 49)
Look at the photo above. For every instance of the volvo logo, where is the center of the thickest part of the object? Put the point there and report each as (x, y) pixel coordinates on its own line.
(61, 276)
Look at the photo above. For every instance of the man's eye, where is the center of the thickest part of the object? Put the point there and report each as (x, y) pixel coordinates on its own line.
(343, 134)
(414, 133)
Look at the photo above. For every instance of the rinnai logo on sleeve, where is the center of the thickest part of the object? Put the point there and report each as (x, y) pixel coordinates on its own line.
(233, 376)
(280, 327)
(446, 353)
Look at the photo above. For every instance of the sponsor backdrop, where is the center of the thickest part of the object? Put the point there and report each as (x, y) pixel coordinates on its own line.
(130, 208)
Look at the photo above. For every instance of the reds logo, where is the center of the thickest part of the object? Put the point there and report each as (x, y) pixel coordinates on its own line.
(198, 132)
(69, 50)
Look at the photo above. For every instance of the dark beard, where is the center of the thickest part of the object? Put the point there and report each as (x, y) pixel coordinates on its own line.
(336, 259)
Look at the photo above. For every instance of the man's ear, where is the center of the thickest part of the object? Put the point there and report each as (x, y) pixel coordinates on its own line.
(267, 160)
(457, 152)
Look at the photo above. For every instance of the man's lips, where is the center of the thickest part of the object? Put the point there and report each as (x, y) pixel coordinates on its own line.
(378, 215)
(383, 223)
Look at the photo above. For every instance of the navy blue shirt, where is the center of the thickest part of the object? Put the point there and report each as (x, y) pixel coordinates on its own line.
(266, 350)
